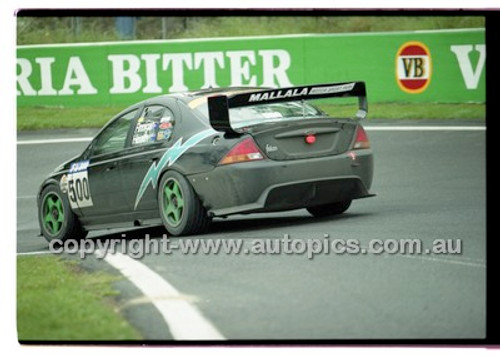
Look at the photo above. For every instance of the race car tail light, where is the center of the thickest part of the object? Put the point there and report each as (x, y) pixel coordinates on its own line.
(362, 141)
(246, 150)
(310, 139)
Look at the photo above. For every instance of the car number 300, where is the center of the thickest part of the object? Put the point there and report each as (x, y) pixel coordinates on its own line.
(78, 190)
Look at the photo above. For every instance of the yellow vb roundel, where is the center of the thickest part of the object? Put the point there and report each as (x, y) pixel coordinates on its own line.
(413, 67)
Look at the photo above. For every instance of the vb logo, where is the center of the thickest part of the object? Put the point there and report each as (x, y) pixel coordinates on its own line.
(413, 67)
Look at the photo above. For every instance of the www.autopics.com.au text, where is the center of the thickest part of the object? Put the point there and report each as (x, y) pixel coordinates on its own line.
(310, 247)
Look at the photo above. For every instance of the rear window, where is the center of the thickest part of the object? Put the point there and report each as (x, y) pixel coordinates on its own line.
(273, 112)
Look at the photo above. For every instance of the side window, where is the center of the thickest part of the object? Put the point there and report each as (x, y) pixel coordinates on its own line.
(155, 125)
(114, 137)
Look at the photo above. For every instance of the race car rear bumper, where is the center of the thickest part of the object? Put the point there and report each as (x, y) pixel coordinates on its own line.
(268, 185)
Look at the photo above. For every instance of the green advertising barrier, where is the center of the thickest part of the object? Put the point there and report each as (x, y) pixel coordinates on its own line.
(445, 66)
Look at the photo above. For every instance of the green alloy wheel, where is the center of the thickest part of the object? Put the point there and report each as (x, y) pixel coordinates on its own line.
(53, 214)
(56, 219)
(180, 208)
(173, 202)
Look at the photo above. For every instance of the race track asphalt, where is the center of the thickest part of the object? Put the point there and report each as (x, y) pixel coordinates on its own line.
(429, 185)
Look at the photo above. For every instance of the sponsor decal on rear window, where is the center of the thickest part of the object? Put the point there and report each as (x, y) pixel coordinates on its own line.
(165, 125)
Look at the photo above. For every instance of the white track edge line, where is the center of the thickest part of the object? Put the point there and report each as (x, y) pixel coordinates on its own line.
(60, 140)
(424, 128)
(33, 253)
(185, 321)
(443, 260)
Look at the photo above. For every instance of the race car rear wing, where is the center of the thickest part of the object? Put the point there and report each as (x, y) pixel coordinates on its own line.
(219, 105)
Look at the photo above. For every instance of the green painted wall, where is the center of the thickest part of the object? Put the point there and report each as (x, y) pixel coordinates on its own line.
(122, 73)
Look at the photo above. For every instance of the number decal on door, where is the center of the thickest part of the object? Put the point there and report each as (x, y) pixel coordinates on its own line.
(78, 185)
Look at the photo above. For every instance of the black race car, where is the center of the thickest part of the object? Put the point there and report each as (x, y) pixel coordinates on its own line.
(182, 159)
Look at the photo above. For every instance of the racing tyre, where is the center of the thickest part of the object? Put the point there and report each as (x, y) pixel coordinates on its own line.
(331, 209)
(181, 210)
(55, 217)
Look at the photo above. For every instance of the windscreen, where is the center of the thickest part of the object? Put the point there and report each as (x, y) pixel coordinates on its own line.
(266, 113)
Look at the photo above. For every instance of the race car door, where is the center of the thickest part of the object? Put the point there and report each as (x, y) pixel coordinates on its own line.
(151, 136)
(105, 197)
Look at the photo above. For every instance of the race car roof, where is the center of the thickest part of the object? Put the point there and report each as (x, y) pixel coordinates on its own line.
(193, 95)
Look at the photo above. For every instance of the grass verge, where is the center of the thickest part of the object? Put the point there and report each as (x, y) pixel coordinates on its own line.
(396, 111)
(36, 118)
(61, 29)
(58, 301)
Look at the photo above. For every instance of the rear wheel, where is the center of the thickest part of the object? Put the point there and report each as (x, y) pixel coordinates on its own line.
(181, 210)
(331, 209)
(56, 219)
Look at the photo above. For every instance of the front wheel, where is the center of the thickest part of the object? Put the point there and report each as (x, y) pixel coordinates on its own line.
(56, 219)
(331, 209)
(181, 210)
